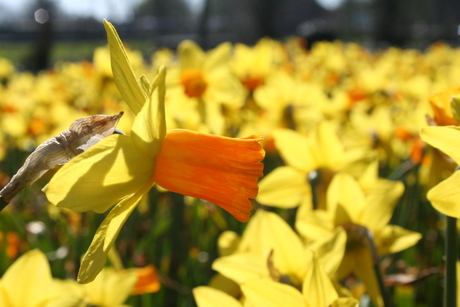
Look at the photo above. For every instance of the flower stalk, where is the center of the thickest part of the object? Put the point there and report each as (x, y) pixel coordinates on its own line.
(378, 273)
(450, 277)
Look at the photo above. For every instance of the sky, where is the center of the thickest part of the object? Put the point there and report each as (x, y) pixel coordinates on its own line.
(114, 10)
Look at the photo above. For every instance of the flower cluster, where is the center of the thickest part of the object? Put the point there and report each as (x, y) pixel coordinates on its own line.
(337, 128)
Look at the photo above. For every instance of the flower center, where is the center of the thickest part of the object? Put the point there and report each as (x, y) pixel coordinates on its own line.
(357, 236)
(193, 82)
(276, 275)
(251, 83)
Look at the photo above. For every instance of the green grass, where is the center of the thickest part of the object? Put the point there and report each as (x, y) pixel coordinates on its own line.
(18, 52)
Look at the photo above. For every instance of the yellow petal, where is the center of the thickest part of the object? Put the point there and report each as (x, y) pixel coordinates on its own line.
(445, 195)
(380, 204)
(110, 287)
(444, 138)
(392, 239)
(241, 267)
(295, 150)
(222, 283)
(284, 187)
(101, 176)
(210, 297)
(347, 266)
(328, 149)
(228, 242)
(369, 177)
(149, 127)
(191, 56)
(65, 293)
(345, 198)
(267, 232)
(123, 73)
(94, 259)
(315, 225)
(331, 250)
(26, 282)
(317, 288)
(215, 120)
(267, 293)
(218, 57)
(364, 269)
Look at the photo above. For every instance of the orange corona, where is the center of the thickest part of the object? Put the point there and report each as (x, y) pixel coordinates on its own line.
(193, 82)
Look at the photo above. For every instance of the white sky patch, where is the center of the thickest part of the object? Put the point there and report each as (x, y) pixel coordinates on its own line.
(330, 4)
(112, 10)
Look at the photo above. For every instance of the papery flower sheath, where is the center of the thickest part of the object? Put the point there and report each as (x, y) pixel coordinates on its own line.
(121, 169)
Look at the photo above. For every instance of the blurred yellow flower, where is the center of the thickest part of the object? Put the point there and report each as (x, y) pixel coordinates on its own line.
(252, 65)
(28, 283)
(271, 251)
(110, 288)
(444, 196)
(440, 104)
(361, 215)
(202, 84)
(321, 151)
(210, 297)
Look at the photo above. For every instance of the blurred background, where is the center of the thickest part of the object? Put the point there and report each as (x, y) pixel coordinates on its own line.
(179, 239)
(34, 33)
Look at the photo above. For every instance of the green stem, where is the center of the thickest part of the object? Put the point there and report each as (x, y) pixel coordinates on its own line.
(450, 277)
(378, 274)
(313, 179)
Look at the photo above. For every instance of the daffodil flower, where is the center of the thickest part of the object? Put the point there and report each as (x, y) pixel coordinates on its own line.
(265, 293)
(202, 84)
(288, 186)
(444, 196)
(28, 283)
(271, 253)
(121, 169)
(359, 213)
(111, 288)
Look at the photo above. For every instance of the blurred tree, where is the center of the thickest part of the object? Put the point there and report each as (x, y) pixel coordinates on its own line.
(43, 13)
(171, 16)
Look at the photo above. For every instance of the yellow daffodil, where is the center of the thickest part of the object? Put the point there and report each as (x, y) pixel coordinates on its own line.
(110, 288)
(270, 250)
(6, 69)
(264, 293)
(28, 283)
(210, 297)
(349, 207)
(122, 169)
(440, 104)
(444, 196)
(227, 244)
(316, 291)
(202, 84)
(252, 65)
(322, 151)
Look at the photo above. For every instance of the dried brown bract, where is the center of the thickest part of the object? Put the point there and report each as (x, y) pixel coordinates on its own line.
(82, 134)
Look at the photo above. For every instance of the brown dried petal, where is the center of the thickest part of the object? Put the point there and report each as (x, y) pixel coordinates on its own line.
(82, 134)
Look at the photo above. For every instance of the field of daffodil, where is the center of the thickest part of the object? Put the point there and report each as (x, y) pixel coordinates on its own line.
(265, 175)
